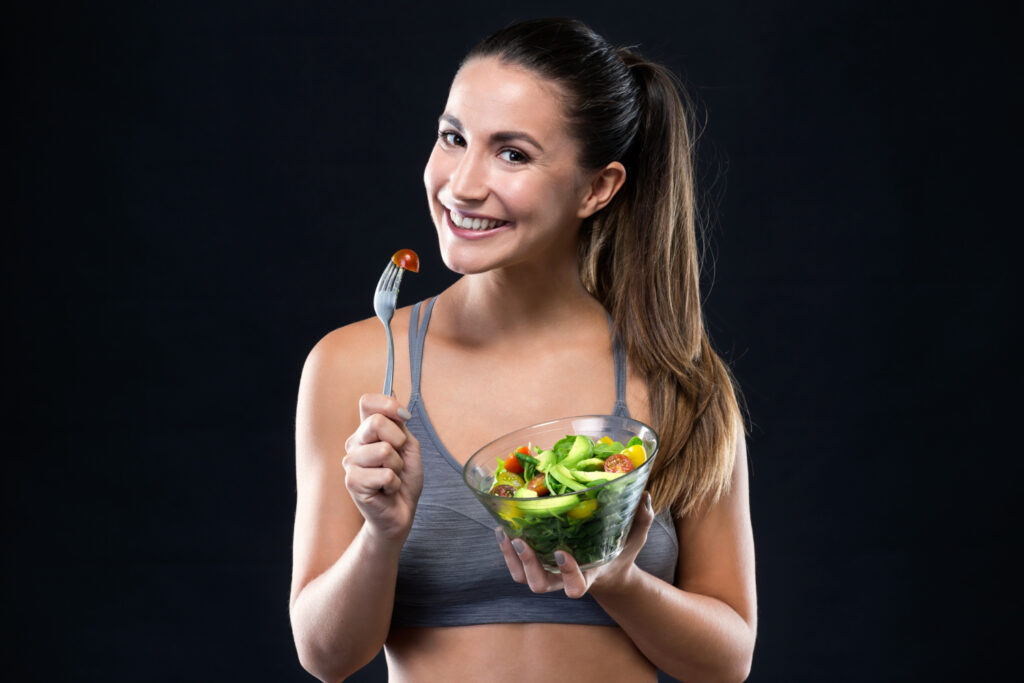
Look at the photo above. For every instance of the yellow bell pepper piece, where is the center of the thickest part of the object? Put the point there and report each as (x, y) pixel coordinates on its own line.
(636, 454)
(583, 510)
(511, 513)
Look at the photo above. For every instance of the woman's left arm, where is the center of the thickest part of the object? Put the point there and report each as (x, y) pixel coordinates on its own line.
(700, 629)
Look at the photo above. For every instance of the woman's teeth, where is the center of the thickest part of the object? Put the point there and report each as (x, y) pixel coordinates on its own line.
(474, 223)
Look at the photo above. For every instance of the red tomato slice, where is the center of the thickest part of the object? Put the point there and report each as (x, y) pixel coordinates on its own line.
(512, 464)
(619, 463)
(407, 260)
(537, 484)
(503, 490)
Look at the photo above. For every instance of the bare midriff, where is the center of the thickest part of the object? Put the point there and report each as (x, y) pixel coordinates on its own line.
(515, 653)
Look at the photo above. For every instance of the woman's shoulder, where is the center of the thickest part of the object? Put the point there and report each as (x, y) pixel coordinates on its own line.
(354, 356)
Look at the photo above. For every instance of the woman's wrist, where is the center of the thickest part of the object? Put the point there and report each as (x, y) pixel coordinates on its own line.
(614, 584)
(374, 544)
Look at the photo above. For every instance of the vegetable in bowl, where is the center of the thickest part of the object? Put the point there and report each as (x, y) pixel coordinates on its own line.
(579, 495)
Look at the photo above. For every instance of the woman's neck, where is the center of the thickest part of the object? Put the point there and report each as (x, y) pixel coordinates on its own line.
(516, 303)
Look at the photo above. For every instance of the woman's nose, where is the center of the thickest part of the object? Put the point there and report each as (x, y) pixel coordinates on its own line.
(468, 180)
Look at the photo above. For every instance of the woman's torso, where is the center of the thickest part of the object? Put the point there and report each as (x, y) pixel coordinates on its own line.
(456, 604)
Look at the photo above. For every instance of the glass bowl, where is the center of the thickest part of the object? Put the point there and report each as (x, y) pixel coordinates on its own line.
(592, 524)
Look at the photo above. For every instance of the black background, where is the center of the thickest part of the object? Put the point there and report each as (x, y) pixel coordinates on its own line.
(200, 191)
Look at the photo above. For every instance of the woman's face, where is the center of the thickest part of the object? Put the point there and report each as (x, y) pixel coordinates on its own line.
(502, 181)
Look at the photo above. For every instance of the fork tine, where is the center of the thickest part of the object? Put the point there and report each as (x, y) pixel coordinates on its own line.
(389, 282)
(387, 279)
(382, 282)
(393, 275)
(398, 279)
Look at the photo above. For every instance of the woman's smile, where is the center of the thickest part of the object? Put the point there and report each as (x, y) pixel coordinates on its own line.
(472, 228)
(474, 222)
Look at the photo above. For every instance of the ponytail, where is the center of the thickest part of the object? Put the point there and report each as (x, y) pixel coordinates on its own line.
(649, 230)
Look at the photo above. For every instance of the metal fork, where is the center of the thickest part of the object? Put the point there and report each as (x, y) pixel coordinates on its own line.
(384, 300)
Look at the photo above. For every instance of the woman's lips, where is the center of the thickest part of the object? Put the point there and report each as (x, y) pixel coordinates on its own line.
(473, 233)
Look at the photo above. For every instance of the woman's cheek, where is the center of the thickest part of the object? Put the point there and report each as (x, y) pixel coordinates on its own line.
(430, 176)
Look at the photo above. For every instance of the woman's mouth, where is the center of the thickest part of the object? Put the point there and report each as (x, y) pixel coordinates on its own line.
(474, 223)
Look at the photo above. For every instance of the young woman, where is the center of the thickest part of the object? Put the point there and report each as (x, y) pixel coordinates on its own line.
(561, 188)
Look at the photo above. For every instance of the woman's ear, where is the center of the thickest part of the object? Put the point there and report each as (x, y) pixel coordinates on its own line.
(603, 185)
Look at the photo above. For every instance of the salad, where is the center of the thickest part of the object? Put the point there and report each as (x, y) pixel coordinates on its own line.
(556, 499)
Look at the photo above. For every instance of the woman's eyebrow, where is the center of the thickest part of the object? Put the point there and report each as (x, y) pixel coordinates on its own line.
(452, 121)
(507, 136)
(503, 136)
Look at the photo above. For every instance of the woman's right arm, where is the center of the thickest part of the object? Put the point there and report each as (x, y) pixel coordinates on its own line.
(358, 479)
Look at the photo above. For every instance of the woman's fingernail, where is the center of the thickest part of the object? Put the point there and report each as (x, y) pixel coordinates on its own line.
(500, 535)
(647, 500)
(404, 414)
(559, 557)
(519, 546)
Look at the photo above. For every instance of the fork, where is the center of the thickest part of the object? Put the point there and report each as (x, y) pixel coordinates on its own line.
(384, 300)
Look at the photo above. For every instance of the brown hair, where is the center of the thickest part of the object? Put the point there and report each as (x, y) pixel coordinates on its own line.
(638, 255)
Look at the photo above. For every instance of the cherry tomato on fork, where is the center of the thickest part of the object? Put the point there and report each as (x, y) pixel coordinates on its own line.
(407, 260)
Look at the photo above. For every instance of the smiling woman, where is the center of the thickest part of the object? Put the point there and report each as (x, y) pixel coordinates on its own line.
(504, 180)
(560, 174)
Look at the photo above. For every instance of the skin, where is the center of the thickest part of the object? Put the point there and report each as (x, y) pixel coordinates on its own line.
(494, 331)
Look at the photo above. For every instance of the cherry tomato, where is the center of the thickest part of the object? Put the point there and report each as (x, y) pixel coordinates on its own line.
(537, 484)
(503, 490)
(407, 260)
(512, 464)
(619, 462)
(510, 478)
(637, 454)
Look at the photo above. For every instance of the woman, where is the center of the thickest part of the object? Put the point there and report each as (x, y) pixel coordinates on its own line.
(561, 188)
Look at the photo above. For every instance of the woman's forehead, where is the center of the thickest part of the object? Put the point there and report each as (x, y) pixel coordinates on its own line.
(489, 93)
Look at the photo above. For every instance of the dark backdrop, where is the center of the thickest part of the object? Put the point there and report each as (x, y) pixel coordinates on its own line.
(200, 191)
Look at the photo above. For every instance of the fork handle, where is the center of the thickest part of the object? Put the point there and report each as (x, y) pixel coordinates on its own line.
(390, 374)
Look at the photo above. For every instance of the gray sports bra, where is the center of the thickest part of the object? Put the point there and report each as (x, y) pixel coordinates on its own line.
(451, 572)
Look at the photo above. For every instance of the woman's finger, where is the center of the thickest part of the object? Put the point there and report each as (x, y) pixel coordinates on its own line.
(539, 580)
(572, 577)
(370, 404)
(368, 481)
(641, 527)
(512, 561)
(377, 427)
(379, 454)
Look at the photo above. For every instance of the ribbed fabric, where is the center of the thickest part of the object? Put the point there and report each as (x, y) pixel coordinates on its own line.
(451, 572)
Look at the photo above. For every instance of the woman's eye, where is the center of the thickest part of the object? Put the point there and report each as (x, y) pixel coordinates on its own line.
(514, 156)
(451, 138)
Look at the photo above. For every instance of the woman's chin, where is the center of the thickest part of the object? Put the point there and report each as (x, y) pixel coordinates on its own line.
(465, 266)
(463, 261)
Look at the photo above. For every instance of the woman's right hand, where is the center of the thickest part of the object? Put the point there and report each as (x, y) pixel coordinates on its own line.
(383, 471)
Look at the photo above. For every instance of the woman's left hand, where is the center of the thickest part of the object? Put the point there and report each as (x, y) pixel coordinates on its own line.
(526, 568)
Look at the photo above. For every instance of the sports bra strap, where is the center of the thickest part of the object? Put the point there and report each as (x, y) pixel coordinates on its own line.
(417, 333)
(619, 354)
